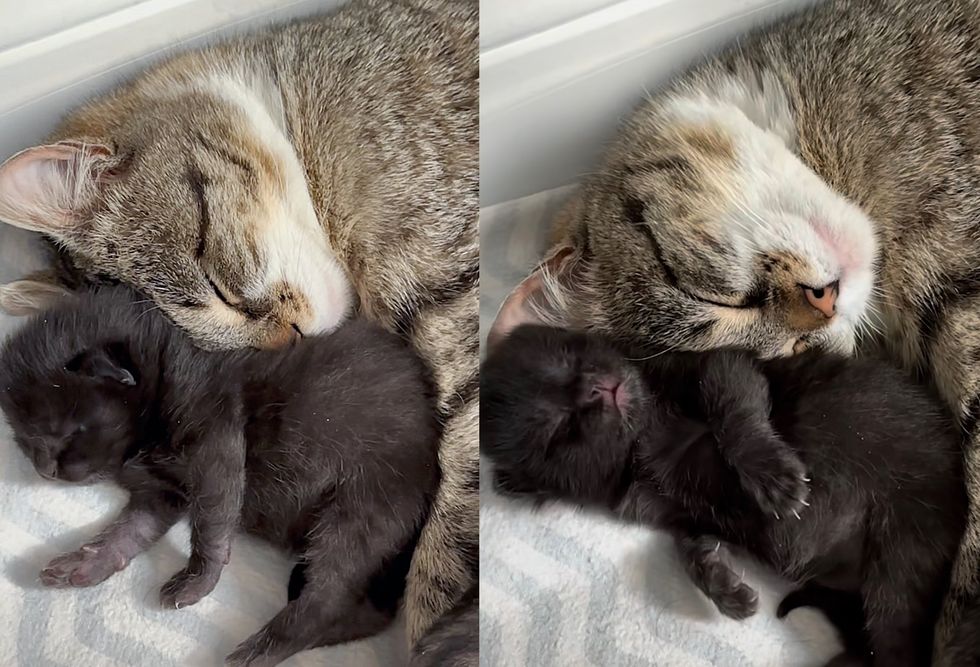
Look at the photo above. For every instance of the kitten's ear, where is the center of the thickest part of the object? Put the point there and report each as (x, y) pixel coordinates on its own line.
(538, 298)
(49, 188)
(111, 362)
(26, 297)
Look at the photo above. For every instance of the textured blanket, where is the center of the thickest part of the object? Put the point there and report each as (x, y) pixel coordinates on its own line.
(120, 622)
(563, 587)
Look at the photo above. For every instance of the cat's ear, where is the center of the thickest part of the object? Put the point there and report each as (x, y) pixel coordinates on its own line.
(537, 299)
(26, 297)
(111, 362)
(49, 188)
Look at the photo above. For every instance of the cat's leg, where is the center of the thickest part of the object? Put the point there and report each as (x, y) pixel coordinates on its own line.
(707, 561)
(735, 398)
(337, 602)
(215, 490)
(145, 519)
(953, 363)
(446, 560)
(453, 641)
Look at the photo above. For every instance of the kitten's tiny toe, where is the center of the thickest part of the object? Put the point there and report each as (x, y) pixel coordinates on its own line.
(738, 603)
(186, 588)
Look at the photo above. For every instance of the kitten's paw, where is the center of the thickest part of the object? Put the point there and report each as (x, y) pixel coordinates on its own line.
(732, 596)
(779, 485)
(187, 587)
(90, 565)
(709, 570)
(254, 652)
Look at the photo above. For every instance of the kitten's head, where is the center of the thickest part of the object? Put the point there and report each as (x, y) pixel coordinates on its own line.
(704, 229)
(190, 191)
(74, 420)
(559, 412)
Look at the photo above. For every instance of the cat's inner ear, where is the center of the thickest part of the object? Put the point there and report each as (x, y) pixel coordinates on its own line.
(49, 188)
(26, 297)
(111, 362)
(538, 298)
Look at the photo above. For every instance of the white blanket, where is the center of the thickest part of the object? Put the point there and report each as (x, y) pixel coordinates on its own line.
(562, 587)
(120, 622)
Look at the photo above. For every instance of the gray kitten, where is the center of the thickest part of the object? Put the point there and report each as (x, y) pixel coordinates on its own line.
(815, 184)
(326, 449)
(269, 186)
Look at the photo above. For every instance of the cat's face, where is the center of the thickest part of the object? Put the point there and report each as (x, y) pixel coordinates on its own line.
(559, 413)
(704, 231)
(74, 423)
(199, 202)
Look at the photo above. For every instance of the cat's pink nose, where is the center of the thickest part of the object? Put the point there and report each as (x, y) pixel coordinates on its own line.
(824, 298)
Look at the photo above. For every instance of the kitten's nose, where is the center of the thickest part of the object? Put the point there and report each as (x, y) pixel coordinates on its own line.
(824, 298)
(609, 390)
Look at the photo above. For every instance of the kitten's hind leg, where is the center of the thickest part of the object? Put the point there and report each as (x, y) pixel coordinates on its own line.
(315, 618)
(706, 559)
(902, 593)
(844, 610)
(348, 592)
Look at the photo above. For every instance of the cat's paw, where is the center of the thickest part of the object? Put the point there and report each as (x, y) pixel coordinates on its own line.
(779, 484)
(188, 587)
(90, 565)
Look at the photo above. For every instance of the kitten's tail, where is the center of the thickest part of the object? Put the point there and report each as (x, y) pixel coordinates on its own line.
(844, 610)
(453, 641)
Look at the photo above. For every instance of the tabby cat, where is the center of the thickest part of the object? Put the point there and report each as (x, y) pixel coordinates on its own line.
(267, 187)
(815, 184)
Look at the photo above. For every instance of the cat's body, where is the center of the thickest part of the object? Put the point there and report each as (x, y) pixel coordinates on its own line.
(279, 182)
(327, 449)
(814, 184)
(707, 445)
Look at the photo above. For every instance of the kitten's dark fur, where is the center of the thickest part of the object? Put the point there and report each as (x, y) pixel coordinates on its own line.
(714, 446)
(327, 449)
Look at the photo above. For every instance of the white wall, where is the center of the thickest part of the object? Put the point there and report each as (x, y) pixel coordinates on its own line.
(57, 53)
(556, 79)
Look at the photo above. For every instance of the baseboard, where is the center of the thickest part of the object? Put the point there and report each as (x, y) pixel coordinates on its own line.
(43, 77)
(550, 100)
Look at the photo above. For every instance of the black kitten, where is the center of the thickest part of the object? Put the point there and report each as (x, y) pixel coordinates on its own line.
(713, 447)
(327, 449)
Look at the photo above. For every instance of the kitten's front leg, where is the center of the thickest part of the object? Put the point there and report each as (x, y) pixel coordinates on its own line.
(145, 519)
(735, 398)
(707, 561)
(215, 489)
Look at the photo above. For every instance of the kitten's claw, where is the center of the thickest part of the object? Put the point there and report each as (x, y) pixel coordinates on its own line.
(90, 565)
(187, 587)
(797, 515)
